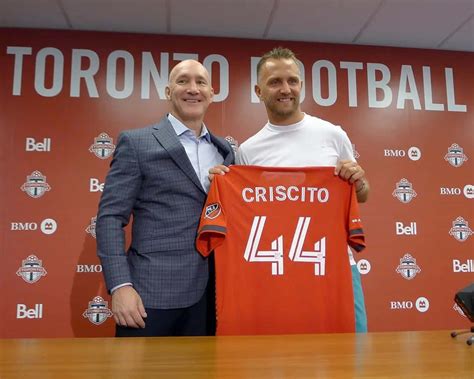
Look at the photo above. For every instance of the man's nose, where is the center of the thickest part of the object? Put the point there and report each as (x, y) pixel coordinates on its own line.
(193, 87)
(285, 88)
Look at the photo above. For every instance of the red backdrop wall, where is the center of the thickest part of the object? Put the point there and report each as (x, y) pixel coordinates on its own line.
(65, 96)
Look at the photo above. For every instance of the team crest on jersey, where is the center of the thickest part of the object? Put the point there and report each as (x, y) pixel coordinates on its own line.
(31, 269)
(233, 143)
(455, 156)
(460, 229)
(212, 211)
(103, 146)
(408, 267)
(91, 228)
(98, 311)
(35, 185)
(355, 152)
(404, 191)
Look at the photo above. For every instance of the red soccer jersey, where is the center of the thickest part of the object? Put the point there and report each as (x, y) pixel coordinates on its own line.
(280, 237)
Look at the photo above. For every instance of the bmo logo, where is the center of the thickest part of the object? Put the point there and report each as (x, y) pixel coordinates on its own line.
(405, 230)
(413, 153)
(47, 226)
(40, 146)
(450, 191)
(95, 185)
(89, 268)
(22, 311)
(421, 304)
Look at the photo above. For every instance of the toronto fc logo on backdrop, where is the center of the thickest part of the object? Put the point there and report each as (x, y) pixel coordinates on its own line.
(404, 191)
(233, 143)
(455, 156)
(31, 269)
(460, 229)
(91, 228)
(408, 267)
(103, 146)
(98, 311)
(35, 185)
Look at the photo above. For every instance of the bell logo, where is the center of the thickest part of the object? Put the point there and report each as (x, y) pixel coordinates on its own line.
(422, 304)
(95, 185)
(23, 312)
(32, 145)
(402, 230)
(463, 267)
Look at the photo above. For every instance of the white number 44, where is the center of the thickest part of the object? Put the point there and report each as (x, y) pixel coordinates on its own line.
(296, 254)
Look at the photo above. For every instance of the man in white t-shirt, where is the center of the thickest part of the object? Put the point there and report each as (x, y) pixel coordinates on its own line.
(292, 138)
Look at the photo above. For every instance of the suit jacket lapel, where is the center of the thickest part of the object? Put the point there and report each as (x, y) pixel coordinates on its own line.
(167, 137)
(224, 149)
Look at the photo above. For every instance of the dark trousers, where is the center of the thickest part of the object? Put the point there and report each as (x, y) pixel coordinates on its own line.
(190, 321)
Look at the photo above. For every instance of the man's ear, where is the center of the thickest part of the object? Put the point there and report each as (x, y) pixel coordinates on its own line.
(212, 94)
(258, 91)
(168, 92)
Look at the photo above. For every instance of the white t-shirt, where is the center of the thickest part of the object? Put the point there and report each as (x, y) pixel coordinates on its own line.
(310, 142)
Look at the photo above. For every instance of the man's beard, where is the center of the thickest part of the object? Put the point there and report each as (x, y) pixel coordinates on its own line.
(276, 110)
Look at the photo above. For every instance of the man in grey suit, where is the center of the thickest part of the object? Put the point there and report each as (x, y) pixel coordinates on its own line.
(159, 175)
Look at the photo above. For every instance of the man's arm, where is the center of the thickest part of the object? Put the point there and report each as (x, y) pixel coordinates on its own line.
(353, 173)
(120, 192)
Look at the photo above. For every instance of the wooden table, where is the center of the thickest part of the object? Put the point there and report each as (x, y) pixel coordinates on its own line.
(373, 355)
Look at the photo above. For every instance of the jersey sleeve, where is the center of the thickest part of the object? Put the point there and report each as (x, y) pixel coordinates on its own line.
(213, 225)
(356, 237)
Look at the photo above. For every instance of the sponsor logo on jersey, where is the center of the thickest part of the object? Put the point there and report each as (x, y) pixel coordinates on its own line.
(364, 266)
(408, 268)
(97, 311)
(48, 226)
(23, 312)
(463, 267)
(355, 152)
(31, 269)
(233, 143)
(455, 156)
(409, 230)
(103, 146)
(212, 211)
(468, 191)
(32, 145)
(460, 229)
(35, 185)
(404, 191)
(458, 309)
(422, 304)
(91, 227)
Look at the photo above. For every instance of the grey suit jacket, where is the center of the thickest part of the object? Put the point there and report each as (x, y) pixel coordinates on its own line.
(152, 179)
